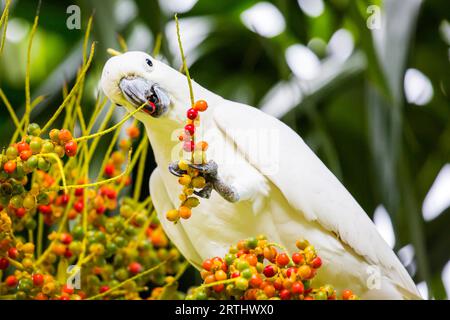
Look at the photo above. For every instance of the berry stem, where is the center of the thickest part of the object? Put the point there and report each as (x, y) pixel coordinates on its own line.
(11, 112)
(114, 127)
(26, 116)
(139, 275)
(183, 59)
(72, 92)
(60, 168)
(4, 19)
(140, 172)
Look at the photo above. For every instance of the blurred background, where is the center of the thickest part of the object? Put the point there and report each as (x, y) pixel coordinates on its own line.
(365, 83)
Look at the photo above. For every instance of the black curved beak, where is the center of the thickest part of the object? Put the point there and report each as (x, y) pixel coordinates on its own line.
(138, 91)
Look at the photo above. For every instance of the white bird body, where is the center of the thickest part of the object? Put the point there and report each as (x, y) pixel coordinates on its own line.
(300, 198)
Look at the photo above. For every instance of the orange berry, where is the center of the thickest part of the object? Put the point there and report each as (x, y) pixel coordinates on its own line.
(25, 154)
(64, 135)
(133, 132)
(202, 145)
(185, 212)
(346, 294)
(209, 279)
(10, 166)
(201, 105)
(220, 275)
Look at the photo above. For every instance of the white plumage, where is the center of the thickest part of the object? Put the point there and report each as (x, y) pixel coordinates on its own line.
(299, 198)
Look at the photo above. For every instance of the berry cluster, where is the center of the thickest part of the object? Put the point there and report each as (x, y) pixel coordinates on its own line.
(196, 151)
(32, 154)
(255, 269)
(114, 240)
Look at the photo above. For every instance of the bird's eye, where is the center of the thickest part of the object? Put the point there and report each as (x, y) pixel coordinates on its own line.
(149, 62)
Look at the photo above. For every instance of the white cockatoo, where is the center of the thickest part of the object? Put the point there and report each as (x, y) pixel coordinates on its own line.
(266, 180)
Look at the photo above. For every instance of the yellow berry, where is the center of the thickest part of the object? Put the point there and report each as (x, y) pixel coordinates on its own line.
(183, 165)
(182, 197)
(184, 180)
(172, 215)
(28, 247)
(198, 182)
(188, 191)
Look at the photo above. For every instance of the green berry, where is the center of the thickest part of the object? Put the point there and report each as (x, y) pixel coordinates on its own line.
(25, 284)
(229, 258)
(36, 145)
(32, 162)
(48, 147)
(247, 273)
(12, 153)
(242, 265)
(34, 129)
(252, 243)
(241, 284)
(78, 232)
(43, 164)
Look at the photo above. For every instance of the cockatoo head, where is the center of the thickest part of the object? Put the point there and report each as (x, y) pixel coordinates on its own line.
(134, 78)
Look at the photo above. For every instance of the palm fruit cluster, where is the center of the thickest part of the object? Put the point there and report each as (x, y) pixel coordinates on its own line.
(255, 269)
(44, 229)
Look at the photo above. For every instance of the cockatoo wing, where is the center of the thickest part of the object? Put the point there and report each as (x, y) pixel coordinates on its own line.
(312, 190)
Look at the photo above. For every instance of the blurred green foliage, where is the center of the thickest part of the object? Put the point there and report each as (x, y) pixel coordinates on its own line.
(385, 150)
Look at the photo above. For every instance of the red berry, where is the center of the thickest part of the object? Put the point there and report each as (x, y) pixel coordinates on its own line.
(22, 146)
(111, 194)
(291, 271)
(135, 267)
(298, 287)
(269, 271)
(65, 198)
(100, 210)
(189, 128)
(4, 263)
(219, 287)
(282, 259)
(66, 238)
(192, 114)
(13, 253)
(235, 274)
(38, 279)
(9, 166)
(45, 209)
(103, 288)
(297, 258)
(11, 281)
(68, 254)
(79, 192)
(207, 264)
(316, 263)
(20, 212)
(285, 294)
(78, 206)
(67, 289)
(109, 170)
(188, 146)
(71, 148)
(64, 298)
